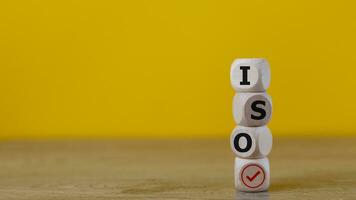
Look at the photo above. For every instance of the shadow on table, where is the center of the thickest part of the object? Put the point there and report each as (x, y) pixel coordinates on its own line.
(251, 196)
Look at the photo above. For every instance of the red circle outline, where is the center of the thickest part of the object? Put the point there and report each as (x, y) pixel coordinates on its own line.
(242, 178)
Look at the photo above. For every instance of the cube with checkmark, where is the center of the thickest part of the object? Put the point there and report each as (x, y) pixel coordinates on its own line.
(252, 175)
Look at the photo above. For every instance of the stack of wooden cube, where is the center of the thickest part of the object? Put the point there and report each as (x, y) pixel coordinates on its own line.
(251, 140)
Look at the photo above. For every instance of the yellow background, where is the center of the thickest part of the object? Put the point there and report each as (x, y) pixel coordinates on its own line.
(158, 68)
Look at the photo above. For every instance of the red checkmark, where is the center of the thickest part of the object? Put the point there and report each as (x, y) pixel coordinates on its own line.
(253, 177)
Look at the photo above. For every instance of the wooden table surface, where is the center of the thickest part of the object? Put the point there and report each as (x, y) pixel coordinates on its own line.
(313, 168)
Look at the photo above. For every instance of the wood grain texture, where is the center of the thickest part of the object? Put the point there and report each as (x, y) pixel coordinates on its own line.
(313, 168)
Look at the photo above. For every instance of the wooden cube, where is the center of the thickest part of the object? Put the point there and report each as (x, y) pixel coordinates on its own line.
(252, 175)
(250, 75)
(249, 142)
(252, 109)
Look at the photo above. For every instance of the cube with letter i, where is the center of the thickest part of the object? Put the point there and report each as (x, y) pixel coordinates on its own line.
(250, 75)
